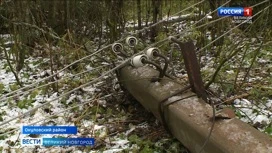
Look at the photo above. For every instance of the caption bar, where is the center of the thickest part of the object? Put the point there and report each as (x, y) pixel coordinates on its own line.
(49, 130)
(57, 141)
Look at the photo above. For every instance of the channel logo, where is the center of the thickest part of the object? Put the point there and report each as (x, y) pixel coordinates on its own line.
(31, 141)
(234, 11)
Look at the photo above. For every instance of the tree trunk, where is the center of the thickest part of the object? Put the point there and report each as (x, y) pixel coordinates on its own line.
(114, 18)
(156, 11)
(139, 15)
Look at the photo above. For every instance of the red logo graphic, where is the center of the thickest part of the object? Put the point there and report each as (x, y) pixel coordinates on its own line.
(247, 11)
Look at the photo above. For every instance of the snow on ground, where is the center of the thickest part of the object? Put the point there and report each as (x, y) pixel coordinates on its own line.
(256, 114)
(6, 78)
(10, 134)
(250, 112)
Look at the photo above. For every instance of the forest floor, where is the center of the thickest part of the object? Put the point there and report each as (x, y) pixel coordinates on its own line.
(117, 124)
(116, 120)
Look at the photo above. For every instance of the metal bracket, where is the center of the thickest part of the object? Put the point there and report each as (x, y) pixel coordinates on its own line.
(192, 67)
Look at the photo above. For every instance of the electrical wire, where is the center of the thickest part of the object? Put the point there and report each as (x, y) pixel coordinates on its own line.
(44, 85)
(66, 93)
(88, 56)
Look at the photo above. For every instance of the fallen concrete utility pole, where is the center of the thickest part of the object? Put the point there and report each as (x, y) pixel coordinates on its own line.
(189, 119)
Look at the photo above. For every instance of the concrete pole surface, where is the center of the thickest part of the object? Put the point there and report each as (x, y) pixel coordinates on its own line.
(189, 120)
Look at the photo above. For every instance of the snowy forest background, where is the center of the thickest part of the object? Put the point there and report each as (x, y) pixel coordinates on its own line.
(53, 53)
